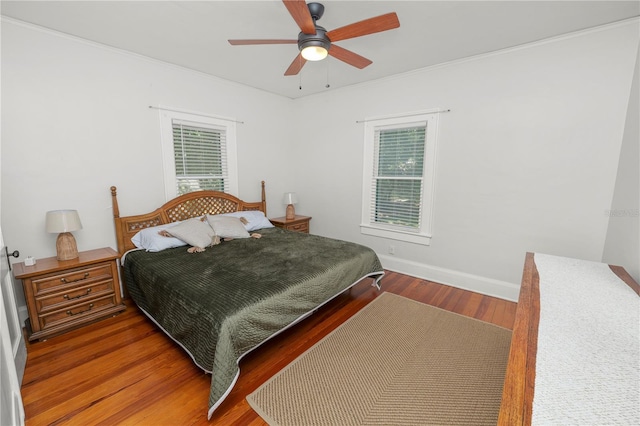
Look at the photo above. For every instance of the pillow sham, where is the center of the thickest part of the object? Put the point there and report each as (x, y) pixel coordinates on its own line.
(227, 226)
(195, 232)
(255, 219)
(150, 239)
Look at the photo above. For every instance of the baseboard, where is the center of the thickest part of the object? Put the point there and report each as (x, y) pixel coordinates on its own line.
(475, 283)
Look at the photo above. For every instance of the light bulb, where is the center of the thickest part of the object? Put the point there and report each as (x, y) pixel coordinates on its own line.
(314, 53)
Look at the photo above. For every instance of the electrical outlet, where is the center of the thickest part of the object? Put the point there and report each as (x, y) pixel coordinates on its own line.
(392, 249)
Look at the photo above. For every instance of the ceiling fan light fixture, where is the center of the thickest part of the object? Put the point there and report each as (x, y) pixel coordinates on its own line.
(314, 53)
(314, 47)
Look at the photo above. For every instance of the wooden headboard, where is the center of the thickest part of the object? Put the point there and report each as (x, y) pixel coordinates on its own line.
(184, 207)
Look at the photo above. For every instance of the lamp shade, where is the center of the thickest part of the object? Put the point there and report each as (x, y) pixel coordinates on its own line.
(290, 198)
(63, 221)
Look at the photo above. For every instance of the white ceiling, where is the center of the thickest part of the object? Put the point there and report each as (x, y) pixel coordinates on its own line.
(193, 34)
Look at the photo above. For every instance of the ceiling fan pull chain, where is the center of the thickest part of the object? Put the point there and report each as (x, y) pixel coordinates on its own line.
(327, 85)
(300, 75)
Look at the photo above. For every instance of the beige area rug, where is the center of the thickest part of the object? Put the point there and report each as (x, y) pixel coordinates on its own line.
(396, 362)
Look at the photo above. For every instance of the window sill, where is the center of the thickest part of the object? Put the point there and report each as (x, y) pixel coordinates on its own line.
(395, 234)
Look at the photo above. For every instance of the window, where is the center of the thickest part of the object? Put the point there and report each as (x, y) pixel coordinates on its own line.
(398, 183)
(199, 153)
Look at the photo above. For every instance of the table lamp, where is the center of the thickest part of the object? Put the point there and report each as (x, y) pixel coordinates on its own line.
(290, 199)
(64, 222)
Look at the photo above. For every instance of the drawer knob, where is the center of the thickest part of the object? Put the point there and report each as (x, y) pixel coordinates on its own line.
(64, 280)
(81, 312)
(66, 296)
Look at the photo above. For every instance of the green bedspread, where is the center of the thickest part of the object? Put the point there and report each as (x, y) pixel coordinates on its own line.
(223, 302)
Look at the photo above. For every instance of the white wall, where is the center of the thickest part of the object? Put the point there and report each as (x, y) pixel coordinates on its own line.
(527, 156)
(622, 246)
(76, 120)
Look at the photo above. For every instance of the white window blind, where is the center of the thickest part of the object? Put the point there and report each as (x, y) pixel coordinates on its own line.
(199, 153)
(200, 157)
(398, 176)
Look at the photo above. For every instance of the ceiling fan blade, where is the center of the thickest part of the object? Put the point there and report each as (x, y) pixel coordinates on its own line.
(380, 23)
(349, 57)
(296, 65)
(273, 41)
(300, 13)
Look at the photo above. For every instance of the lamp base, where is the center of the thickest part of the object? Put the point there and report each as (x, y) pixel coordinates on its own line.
(291, 212)
(66, 246)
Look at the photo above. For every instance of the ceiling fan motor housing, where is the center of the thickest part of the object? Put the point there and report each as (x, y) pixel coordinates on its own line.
(318, 39)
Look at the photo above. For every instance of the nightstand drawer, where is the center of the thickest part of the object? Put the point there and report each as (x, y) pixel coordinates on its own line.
(74, 295)
(71, 279)
(76, 312)
(299, 227)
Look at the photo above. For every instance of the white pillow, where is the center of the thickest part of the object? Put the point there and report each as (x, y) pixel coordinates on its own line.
(195, 232)
(150, 239)
(255, 219)
(227, 226)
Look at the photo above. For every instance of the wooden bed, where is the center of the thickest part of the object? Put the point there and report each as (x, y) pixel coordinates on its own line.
(221, 303)
(519, 385)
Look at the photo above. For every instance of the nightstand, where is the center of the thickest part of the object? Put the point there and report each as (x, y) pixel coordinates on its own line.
(63, 295)
(298, 224)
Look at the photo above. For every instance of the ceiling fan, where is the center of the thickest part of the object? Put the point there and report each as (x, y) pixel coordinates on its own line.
(315, 43)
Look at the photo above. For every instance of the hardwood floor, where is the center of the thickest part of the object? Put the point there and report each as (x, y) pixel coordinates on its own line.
(123, 370)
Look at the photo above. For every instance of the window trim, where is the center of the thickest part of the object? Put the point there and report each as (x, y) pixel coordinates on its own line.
(367, 226)
(168, 161)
